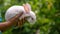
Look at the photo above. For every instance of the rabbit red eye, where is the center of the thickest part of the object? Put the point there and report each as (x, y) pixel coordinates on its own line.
(32, 18)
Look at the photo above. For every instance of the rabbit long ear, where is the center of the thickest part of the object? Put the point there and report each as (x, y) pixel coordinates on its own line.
(27, 7)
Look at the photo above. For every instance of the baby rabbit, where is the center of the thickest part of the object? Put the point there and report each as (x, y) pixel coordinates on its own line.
(26, 9)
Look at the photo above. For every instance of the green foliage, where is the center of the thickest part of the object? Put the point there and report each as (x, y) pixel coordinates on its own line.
(47, 13)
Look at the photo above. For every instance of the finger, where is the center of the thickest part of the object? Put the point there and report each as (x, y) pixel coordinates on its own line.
(16, 17)
(19, 23)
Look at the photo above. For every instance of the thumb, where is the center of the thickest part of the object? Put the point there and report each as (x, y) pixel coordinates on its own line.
(16, 17)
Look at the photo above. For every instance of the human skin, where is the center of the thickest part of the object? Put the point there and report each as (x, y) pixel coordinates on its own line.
(6, 25)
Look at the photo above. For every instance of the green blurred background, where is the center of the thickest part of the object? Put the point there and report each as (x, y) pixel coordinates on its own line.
(47, 13)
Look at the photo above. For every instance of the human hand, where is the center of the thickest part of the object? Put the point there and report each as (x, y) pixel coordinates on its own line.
(14, 19)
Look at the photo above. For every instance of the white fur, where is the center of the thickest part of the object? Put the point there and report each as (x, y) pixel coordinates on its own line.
(32, 15)
(12, 11)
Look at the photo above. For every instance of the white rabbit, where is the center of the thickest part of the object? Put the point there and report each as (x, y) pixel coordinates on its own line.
(26, 9)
